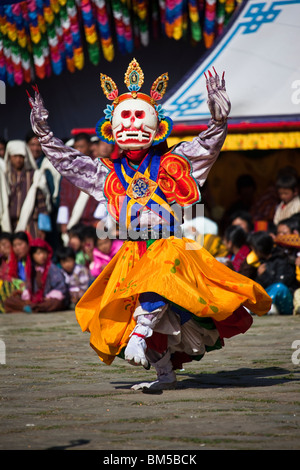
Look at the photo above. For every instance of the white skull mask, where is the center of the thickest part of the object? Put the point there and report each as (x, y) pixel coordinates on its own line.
(134, 124)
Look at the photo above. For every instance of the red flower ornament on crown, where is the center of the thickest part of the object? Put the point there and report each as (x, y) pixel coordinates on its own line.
(134, 120)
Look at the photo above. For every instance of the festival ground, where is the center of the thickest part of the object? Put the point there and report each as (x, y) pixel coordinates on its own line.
(56, 394)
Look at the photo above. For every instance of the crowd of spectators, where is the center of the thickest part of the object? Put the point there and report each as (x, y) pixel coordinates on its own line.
(50, 252)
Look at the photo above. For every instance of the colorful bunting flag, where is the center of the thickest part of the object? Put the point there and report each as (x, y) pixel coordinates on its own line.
(39, 38)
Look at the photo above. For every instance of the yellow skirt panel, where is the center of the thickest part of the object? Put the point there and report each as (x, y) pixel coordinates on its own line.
(179, 270)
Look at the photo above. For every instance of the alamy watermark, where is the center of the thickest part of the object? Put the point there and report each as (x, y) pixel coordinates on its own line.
(296, 354)
(162, 221)
(2, 92)
(296, 94)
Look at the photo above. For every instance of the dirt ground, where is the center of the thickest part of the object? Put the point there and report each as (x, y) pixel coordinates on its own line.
(56, 394)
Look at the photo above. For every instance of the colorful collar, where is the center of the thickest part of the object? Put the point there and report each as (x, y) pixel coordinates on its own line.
(142, 190)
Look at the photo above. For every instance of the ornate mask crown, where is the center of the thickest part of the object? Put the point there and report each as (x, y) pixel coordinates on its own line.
(134, 120)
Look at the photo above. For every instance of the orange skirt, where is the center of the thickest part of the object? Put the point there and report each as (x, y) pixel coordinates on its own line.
(179, 270)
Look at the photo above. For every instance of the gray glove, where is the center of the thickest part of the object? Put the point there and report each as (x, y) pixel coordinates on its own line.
(38, 115)
(218, 101)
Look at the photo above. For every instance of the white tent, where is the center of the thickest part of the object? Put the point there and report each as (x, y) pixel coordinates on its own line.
(260, 54)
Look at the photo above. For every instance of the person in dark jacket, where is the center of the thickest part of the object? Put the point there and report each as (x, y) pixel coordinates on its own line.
(275, 273)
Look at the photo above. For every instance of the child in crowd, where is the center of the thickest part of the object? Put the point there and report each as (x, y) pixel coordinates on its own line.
(274, 272)
(76, 242)
(243, 219)
(5, 255)
(288, 226)
(76, 276)
(20, 254)
(103, 252)
(89, 238)
(46, 290)
(235, 240)
(288, 192)
(9, 283)
(287, 236)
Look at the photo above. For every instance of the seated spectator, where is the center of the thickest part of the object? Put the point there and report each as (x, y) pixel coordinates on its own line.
(243, 219)
(103, 253)
(288, 226)
(275, 273)
(89, 238)
(75, 235)
(288, 192)
(9, 283)
(46, 290)
(20, 254)
(5, 256)
(235, 240)
(287, 236)
(76, 276)
(263, 209)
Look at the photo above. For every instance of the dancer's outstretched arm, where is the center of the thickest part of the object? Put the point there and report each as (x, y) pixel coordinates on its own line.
(204, 149)
(81, 170)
